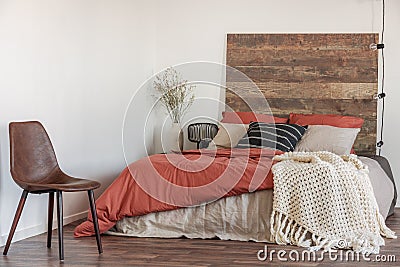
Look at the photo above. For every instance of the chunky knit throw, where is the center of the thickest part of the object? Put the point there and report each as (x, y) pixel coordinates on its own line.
(322, 200)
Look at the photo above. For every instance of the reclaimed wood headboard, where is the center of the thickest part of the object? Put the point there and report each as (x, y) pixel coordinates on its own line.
(310, 73)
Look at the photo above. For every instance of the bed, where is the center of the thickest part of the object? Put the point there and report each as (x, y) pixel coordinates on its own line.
(244, 217)
(341, 64)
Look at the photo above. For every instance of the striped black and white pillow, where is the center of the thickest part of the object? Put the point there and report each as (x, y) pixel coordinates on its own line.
(279, 136)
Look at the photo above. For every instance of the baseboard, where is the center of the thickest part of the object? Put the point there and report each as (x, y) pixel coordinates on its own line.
(21, 234)
(71, 218)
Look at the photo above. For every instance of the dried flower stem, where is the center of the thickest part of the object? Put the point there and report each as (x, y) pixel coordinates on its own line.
(176, 94)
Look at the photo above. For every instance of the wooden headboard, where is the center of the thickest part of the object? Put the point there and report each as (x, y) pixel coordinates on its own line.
(310, 73)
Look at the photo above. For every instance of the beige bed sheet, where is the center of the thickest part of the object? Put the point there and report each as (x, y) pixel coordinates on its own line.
(244, 217)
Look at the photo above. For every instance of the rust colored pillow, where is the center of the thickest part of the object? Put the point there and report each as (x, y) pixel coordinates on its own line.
(326, 119)
(247, 117)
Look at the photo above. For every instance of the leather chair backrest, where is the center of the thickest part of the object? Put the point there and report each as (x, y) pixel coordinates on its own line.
(32, 157)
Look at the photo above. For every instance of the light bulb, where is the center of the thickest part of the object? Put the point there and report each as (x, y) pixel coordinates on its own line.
(375, 46)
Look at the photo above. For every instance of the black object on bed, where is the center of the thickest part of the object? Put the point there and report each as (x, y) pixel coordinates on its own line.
(202, 131)
(280, 136)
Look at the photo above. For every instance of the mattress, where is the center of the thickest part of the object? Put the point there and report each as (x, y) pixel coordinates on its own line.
(244, 217)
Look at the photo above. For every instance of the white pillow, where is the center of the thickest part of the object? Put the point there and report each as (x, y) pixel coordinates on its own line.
(327, 138)
(229, 135)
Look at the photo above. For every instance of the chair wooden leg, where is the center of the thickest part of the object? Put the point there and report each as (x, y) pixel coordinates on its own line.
(15, 221)
(50, 219)
(60, 225)
(95, 220)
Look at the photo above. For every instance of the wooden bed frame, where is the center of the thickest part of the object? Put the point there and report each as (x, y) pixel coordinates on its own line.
(310, 73)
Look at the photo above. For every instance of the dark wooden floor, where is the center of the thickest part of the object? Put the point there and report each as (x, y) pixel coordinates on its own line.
(128, 251)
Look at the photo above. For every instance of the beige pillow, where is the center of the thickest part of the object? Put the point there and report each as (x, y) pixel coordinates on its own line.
(327, 138)
(229, 134)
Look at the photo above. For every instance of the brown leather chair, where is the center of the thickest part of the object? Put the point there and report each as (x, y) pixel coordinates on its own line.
(35, 169)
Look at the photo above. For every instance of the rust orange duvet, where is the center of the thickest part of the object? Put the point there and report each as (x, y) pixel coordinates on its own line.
(165, 182)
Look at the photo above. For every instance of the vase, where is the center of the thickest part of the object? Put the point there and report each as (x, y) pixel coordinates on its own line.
(175, 138)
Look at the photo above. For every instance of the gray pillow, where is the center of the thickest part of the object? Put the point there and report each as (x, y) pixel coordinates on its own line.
(327, 138)
(228, 135)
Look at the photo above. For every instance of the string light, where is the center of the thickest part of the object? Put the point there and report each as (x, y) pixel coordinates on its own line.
(382, 94)
(375, 46)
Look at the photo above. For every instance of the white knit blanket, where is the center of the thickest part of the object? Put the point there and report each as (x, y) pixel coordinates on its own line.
(322, 200)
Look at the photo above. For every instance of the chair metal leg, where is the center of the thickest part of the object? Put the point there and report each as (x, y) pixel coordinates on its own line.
(50, 219)
(60, 225)
(15, 221)
(95, 220)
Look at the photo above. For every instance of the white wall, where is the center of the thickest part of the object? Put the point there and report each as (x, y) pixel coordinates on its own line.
(196, 30)
(73, 65)
(392, 75)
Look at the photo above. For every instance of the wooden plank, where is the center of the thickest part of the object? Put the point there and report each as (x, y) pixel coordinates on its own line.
(370, 126)
(283, 106)
(302, 41)
(298, 74)
(365, 144)
(290, 57)
(356, 107)
(306, 90)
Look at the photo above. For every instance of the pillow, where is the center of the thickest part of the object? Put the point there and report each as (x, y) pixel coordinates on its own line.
(326, 119)
(328, 138)
(247, 117)
(229, 134)
(280, 136)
